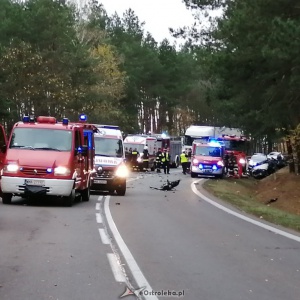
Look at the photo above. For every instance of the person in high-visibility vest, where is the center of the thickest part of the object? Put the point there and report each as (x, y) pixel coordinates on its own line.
(184, 161)
(165, 159)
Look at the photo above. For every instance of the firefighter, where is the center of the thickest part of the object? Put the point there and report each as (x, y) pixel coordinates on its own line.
(146, 158)
(158, 160)
(184, 161)
(226, 163)
(231, 164)
(134, 156)
(166, 161)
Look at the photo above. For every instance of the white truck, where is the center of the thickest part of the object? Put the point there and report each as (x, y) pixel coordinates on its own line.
(204, 133)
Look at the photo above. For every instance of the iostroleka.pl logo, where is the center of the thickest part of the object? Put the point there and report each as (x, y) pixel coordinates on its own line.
(143, 292)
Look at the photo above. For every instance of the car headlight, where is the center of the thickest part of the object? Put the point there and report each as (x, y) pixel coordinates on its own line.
(242, 161)
(220, 163)
(122, 171)
(62, 171)
(11, 168)
(195, 161)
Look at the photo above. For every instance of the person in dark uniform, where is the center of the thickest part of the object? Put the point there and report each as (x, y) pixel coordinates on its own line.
(166, 158)
(134, 156)
(146, 158)
(226, 163)
(158, 160)
(184, 161)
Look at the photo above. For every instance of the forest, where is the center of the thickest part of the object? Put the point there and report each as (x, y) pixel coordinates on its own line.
(242, 70)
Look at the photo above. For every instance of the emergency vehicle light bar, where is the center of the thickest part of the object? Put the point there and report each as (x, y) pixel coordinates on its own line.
(28, 119)
(65, 121)
(82, 118)
(109, 127)
(46, 120)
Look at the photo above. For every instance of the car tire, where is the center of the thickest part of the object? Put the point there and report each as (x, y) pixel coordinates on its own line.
(69, 200)
(193, 175)
(6, 198)
(121, 190)
(85, 194)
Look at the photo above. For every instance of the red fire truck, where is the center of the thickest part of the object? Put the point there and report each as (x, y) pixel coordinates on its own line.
(207, 159)
(49, 158)
(236, 145)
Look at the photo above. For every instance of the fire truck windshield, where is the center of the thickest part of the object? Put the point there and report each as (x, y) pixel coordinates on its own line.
(188, 140)
(41, 139)
(108, 147)
(208, 151)
(235, 145)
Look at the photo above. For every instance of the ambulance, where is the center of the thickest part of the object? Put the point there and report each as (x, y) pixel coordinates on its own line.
(45, 157)
(207, 159)
(110, 169)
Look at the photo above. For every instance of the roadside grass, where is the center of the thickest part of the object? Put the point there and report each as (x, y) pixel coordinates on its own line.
(243, 194)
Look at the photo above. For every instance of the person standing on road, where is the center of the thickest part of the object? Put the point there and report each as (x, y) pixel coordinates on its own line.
(146, 158)
(158, 160)
(166, 161)
(184, 161)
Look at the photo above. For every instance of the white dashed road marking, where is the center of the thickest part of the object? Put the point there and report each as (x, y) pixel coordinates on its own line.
(98, 218)
(104, 238)
(132, 264)
(119, 277)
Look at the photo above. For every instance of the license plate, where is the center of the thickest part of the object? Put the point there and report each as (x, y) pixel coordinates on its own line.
(207, 171)
(34, 182)
(100, 181)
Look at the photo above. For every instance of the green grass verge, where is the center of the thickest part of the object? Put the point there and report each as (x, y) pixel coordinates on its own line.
(241, 194)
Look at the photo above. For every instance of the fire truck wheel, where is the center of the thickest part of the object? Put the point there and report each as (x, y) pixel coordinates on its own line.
(193, 175)
(121, 190)
(85, 194)
(70, 199)
(6, 198)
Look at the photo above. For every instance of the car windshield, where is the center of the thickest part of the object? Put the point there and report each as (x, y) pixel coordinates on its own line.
(41, 139)
(108, 147)
(138, 147)
(235, 145)
(258, 158)
(208, 151)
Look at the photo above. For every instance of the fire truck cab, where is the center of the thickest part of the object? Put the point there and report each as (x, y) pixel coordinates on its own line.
(207, 159)
(236, 145)
(110, 169)
(48, 158)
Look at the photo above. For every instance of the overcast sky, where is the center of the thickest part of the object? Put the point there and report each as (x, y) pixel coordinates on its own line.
(158, 15)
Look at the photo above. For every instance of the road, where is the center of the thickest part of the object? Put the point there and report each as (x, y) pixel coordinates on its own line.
(164, 241)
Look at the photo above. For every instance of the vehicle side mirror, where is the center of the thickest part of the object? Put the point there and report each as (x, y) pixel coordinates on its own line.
(3, 148)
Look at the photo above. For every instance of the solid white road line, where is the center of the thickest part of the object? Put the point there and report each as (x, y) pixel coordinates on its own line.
(132, 264)
(104, 237)
(119, 277)
(100, 198)
(257, 223)
(99, 218)
(97, 206)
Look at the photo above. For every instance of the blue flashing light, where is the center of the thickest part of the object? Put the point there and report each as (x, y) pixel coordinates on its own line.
(215, 167)
(65, 121)
(49, 170)
(214, 143)
(83, 118)
(200, 166)
(79, 149)
(26, 119)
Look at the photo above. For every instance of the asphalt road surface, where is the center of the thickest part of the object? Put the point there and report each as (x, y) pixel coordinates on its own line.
(162, 242)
